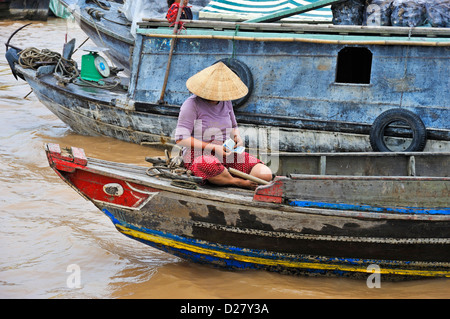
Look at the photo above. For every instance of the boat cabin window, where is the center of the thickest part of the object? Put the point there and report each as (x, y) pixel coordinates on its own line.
(354, 65)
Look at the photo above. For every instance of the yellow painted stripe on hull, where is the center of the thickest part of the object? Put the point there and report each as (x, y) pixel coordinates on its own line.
(272, 262)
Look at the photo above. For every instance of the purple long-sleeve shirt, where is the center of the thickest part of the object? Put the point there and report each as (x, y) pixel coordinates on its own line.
(204, 121)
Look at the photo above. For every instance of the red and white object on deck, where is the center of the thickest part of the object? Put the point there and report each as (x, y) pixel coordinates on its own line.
(72, 166)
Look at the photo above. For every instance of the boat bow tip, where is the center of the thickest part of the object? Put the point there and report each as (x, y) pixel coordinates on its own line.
(65, 159)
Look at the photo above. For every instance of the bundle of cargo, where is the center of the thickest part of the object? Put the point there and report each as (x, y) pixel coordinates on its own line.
(348, 12)
(408, 13)
(399, 13)
(438, 13)
(378, 13)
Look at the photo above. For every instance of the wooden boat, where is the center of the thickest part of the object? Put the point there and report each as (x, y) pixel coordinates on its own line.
(295, 80)
(105, 25)
(298, 224)
(24, 10)
(399, 103)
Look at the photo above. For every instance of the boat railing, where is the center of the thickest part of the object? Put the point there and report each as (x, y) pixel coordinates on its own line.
(384, 31)
(361, 163)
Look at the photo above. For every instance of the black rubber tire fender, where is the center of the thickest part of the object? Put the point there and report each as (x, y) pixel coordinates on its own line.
(244, 73)
(388, 117)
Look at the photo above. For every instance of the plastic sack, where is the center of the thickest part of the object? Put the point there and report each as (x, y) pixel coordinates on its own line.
(408, 13)
(348, 12)
(438, 13)
(136, 10)
(378, 13)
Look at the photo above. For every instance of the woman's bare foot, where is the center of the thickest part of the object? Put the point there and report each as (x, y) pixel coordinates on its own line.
(225, 178)
(246, 183)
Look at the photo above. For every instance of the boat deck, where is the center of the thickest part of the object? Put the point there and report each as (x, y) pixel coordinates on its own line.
(139, 174)
(89, 90)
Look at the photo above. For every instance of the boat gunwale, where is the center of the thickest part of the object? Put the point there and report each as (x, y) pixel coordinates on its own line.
(107, 168)
(301, 38)
(303, 27)
(97, 26)
(349, 34)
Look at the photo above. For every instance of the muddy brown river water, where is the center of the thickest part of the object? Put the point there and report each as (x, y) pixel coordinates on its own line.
(46, 227)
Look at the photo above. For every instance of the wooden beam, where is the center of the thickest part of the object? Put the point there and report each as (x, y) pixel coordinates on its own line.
(284, 27)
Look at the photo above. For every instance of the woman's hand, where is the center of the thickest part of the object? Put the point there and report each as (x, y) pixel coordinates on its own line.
(237, 137)
(238, 140)
(220, 151)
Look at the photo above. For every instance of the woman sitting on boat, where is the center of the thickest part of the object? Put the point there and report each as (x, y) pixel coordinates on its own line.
(207, 120)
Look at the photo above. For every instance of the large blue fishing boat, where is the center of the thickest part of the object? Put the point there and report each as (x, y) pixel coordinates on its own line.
(323, 86)
(312, 87)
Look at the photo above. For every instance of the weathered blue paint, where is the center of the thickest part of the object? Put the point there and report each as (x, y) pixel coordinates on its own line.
(295, 81)
(369, 208)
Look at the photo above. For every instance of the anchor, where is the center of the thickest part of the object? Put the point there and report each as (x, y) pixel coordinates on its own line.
(12, 52)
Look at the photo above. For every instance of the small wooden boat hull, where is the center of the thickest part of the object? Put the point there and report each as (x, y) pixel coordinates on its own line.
(272, 228)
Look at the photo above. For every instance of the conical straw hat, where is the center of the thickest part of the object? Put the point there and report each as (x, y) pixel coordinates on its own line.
(217, 83)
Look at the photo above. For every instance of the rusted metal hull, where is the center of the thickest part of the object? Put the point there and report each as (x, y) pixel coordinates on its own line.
(272, 228)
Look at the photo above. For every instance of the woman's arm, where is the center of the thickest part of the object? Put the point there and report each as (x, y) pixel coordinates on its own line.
(235, 134)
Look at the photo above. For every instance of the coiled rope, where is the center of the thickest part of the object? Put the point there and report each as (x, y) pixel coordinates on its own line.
(33, 58)
(172, 168)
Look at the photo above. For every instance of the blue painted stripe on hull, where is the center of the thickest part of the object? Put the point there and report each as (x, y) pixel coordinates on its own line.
(231, 249)
(267, 260)
(368, 208)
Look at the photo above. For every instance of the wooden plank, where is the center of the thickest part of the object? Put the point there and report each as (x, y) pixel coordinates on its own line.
(79, 156)
(323, 165)
(384, 31)
(367, 178)
(412, 166)
(371, 191)
(363, 164)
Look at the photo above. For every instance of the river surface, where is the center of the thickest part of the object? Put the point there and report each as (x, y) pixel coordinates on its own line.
(46, 227)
